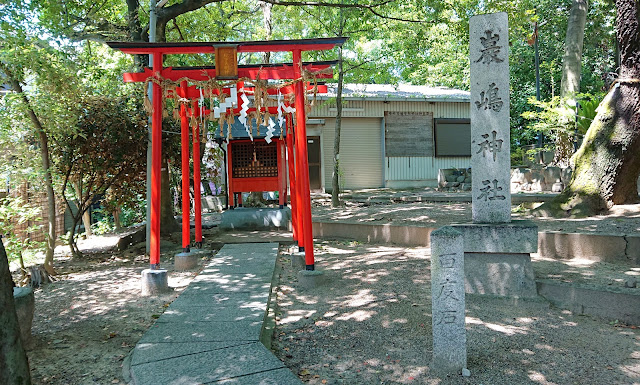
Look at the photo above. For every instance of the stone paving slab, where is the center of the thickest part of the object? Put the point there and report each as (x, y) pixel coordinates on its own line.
(251, 312)
(210, 366)
(211, 333)
(157, 351)
(203, 331)
(229, 283)
(213, 298)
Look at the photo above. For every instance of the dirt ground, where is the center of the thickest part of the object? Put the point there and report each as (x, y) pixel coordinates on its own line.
(88, 320)
(369, 325)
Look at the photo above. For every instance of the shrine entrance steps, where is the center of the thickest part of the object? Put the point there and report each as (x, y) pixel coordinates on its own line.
(216, 330)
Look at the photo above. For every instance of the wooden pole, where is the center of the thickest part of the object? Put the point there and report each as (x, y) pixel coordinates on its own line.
(303, 161)
(292, 180)
(230, 196)
(184, 142)
(156, 166)
(197, 201)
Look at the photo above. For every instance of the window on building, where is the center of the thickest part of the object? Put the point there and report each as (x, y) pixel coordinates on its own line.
(452, 137)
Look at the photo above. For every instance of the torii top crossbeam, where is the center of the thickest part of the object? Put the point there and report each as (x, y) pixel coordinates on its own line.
(228, 69)
(242, 46)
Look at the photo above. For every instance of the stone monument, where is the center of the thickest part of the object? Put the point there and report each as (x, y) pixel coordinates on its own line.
(447, 301)
(497, 250)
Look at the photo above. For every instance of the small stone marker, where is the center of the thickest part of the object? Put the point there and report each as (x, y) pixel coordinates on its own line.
(447, 301)
(490, 143)
(154, 282)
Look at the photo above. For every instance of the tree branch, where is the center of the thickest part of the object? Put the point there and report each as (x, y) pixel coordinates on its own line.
(369, 7)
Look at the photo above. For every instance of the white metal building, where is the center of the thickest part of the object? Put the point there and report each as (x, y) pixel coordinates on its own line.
(392, 136)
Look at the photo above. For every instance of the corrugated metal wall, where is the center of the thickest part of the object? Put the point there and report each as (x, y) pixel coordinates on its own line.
(421, 168)
(361, 146)
(360, 152)
(363, 108)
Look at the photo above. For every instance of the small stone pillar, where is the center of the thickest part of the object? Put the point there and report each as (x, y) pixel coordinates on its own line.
(310, 279)
(154, 281)
(185, 261)
(298, 261)
(448, 302)
(24, 301)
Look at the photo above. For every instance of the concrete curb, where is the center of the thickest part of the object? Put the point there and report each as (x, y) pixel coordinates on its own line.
(551, 244)
(610, 304)
(619, 304)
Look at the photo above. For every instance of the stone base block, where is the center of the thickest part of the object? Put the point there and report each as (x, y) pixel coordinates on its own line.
(185, 261)
(255, 219)
(154, 282)
(503, 275)
(310, 279)
(512, 237)
(25, 306)
(297, 260)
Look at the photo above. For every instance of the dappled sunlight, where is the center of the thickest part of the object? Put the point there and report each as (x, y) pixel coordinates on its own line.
(358, 315)
(297, 315)
(504, 329)
(373, 325)
(361, 298)
(539, 378)
(583, 271)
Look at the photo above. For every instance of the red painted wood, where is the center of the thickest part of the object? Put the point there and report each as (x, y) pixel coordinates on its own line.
(197, 200)
(230, 197)
(303, 163)
(292, 179)
(184, 142)
(156, 167)
(242, 46)
(282, 174)
(284, 72)
(255, 184)
(194, 93)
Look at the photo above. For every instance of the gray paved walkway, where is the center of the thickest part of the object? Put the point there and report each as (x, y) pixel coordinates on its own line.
(211, 333)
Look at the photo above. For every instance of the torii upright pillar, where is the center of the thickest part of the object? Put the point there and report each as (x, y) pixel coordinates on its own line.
(154, 279)
(302, 162)
(197, 198)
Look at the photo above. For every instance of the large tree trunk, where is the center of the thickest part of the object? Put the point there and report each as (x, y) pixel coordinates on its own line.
(168, 223)
(13, 360)
(86, 216)
(571, 73)
(573, 42)
(607, 164)
(335, 181)
(46, 168)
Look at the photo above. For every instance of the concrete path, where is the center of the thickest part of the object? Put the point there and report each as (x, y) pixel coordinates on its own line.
(211, 334)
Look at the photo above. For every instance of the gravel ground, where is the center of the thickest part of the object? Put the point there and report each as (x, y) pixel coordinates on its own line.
(371, 324)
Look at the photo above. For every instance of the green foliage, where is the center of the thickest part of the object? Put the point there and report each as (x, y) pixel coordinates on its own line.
(553, 116)
(15, 213)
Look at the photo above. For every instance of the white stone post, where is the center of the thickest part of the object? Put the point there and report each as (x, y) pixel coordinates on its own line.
(490, 143)
(447, 301)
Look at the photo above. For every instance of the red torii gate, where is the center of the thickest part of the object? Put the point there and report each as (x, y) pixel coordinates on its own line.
(301, 201)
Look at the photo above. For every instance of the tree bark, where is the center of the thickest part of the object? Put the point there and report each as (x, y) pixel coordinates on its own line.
(46, 168)
(573, 42)
(607, 165)
(335, 181)
(571, 73)
(116, 218)
(268, 26)
(13, 359)
(86, 215)
(135, 31)
(168, 223)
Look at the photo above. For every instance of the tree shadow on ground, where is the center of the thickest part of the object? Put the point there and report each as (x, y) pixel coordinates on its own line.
(371, 324)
